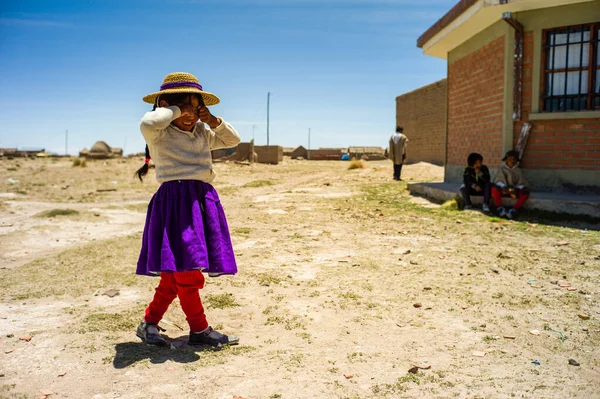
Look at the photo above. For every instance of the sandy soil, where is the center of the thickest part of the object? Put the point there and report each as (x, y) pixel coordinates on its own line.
(346, 282)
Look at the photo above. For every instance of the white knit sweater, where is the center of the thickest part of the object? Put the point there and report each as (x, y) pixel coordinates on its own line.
(181, 155)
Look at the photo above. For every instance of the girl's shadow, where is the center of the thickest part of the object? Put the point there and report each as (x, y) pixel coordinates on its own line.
(176, 350)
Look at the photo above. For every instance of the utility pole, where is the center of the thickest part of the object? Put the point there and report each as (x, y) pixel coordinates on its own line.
(66, 142)
(268, 105)
(308, 144)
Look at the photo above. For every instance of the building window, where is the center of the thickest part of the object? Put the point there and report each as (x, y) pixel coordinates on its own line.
(572, 69)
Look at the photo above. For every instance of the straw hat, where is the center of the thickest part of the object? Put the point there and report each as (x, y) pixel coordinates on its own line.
(182, 82)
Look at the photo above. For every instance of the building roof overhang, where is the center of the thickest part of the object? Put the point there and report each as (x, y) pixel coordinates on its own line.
(469, 17)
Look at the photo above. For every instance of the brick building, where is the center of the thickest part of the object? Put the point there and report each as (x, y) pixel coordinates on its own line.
(422, 114)
(300, 152)
(327, 154)
(271, 154)
(523, 62)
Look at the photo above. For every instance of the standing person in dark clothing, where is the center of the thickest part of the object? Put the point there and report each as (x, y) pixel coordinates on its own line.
(476, 181)
(397, 152)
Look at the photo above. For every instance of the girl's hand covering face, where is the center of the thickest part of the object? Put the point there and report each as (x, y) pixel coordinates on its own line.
(205, 115)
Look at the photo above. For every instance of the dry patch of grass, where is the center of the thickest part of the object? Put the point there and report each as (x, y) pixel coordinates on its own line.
(76, 272)
(212, 357)
(260, 183)
(57, 212)
(111, 322)
(80, 162)
(408, 381)
(357, 164)
(242, 231)
(7, 392)
(268, 279)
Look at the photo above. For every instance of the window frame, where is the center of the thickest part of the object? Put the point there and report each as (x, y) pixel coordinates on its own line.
(591, 98)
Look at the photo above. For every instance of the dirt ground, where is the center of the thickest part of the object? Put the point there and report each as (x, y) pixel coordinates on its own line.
(346, 282)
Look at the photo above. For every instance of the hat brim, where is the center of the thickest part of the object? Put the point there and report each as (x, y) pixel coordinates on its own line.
(208, 98)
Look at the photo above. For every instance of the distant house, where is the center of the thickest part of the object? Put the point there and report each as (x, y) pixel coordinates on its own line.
(26, 152)
(518, 67)
(287, 151)
(101, 150)
(241, 153)
(300, 152)
(271, 154)
(8, 152)
(327, 154)
(370, 153)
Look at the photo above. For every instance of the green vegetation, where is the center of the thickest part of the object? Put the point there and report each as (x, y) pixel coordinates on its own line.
(221, 301)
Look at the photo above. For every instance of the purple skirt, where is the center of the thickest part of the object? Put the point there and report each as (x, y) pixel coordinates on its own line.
(186, 230)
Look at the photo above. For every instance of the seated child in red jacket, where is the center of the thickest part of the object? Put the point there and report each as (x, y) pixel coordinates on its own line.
(509, 182)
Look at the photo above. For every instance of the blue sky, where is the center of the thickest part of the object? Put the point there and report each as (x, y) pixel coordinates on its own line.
(335, 66)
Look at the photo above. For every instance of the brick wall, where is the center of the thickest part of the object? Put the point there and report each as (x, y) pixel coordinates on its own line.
(475, 105)
(572, 144)
(326, 154)
(272, 154)
(422, 113)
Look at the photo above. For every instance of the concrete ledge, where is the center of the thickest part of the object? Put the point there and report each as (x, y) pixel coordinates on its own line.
(550, 202)
(582, 182)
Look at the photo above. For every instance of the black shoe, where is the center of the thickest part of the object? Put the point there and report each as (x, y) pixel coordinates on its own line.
(212, 338)
(150, 338)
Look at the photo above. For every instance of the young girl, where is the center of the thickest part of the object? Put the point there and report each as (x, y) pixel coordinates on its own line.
(186, 231)
(509, 182)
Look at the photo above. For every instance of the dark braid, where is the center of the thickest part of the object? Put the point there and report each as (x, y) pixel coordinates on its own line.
(143, 171)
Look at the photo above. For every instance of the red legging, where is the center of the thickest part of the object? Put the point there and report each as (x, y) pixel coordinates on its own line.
(184, 285)
(521, 198)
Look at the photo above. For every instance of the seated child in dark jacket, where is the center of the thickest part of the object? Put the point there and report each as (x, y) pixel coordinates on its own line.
(477, 182)
(509, 182)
